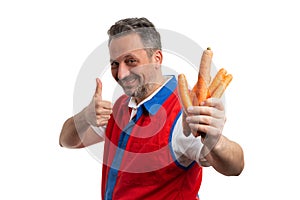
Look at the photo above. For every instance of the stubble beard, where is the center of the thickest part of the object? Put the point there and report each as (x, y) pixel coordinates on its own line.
(141, 92)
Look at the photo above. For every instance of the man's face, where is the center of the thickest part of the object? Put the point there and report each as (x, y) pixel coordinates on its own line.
(131, 67)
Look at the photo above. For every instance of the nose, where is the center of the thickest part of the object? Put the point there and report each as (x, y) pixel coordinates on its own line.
(123, 71)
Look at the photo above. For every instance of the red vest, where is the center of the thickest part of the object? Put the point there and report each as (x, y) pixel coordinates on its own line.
(139, 162)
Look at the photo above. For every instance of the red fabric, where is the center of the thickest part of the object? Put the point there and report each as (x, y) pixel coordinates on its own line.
(148, 170)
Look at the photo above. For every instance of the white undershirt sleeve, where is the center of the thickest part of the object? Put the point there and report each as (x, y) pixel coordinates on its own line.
(186, 149)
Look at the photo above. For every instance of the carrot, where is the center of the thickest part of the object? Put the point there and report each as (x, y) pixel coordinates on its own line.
(222, 86)
(184, 93)
(216, 81)
(205, 65)
(201, 87)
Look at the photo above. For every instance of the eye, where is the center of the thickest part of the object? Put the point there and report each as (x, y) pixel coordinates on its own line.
(131, 61)
(114, 65)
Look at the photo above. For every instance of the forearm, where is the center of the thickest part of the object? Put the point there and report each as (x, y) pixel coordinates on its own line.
(226, 157)
(73, 130)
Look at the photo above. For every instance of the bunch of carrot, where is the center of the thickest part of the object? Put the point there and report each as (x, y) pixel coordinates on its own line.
(204, 88)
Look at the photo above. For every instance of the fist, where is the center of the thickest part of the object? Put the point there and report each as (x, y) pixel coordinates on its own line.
(98, 112)
(207, 120)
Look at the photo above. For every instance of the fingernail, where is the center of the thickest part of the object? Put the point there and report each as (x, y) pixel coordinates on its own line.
(190, 109)
(202, 103)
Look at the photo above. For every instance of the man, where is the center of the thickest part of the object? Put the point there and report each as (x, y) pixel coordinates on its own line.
(146, 154)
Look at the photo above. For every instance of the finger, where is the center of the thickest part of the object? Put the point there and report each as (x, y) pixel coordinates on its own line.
(198, 129)
(214, 102)
(98, 92)
(210, 111)
(206, 131)
(103, 111)
(206, 120)
(205, 110)
(185, 126)
(201, 119)
(103, 117)
(102, 122)
(103, 104)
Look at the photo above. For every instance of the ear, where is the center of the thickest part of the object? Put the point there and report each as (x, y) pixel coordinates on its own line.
(157, 56)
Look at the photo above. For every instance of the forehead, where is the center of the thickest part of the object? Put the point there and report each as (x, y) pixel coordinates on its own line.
(124, 45)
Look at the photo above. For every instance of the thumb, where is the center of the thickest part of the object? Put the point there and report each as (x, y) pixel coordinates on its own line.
(185, 125)
(98, 92)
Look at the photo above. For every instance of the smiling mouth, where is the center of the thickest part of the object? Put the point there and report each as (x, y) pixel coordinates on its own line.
(129, 82)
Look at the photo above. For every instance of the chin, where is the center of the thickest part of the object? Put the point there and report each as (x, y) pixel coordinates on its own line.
(130, 92)
(140, 92)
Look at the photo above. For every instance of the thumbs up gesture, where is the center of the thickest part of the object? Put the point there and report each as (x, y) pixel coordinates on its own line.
(97, 113)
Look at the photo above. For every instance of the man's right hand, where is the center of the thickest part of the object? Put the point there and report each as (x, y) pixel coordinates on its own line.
(98, 112)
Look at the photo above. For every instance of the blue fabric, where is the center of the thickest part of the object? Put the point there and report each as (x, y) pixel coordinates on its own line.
(154, 104)
(114, 169)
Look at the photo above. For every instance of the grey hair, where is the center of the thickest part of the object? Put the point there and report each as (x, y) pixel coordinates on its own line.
(150, 37)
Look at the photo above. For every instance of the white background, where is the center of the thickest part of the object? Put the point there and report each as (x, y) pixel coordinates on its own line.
(43, 45)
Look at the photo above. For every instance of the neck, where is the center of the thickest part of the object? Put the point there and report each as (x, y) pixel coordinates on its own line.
(151, 88)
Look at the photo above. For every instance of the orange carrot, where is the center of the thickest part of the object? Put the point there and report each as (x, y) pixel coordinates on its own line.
(184, 93)
(201, 87)
(222, 86)
(216, 81)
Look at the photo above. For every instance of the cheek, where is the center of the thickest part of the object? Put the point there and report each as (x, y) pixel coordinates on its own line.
(141, 74)
(148, 73)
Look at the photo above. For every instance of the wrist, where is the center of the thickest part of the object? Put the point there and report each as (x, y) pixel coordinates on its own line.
(88, 115)
(214, 146)
(81, 119)
(220, 144)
